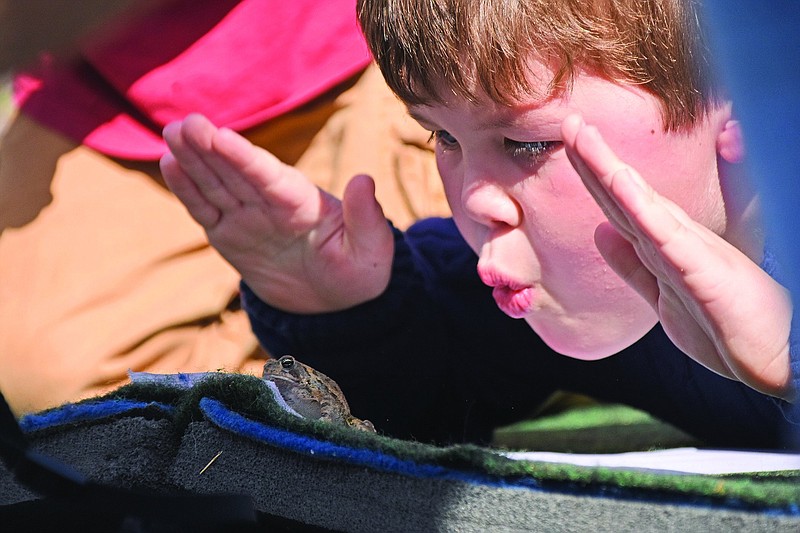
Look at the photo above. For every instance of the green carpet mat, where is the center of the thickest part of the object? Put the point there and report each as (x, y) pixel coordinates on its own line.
(227, 434)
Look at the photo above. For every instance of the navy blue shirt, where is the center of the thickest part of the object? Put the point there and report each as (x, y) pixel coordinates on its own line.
(434, 359)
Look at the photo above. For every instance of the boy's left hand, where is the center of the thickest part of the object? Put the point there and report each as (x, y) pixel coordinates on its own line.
(715, 304)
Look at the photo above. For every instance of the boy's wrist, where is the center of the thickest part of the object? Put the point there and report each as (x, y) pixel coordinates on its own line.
(369, 319)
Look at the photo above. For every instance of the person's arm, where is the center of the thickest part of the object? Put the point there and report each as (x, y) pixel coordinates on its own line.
(402, 355)
(434, 359)
(412, 360)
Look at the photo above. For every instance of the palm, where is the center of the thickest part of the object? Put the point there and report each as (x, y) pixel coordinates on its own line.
(715, 304)
(297, 247)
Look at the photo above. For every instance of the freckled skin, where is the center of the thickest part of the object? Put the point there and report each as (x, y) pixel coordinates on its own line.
(311, 393)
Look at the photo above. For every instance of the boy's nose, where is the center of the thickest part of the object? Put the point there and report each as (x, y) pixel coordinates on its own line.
(489, 204)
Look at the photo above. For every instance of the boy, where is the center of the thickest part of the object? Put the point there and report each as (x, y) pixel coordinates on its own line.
(660, 270)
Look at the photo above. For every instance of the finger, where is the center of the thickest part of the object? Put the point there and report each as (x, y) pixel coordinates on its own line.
(366, 227)
(575, 150)
(596, 154)
(629, 202)
(598, 164)
(230, 159)
(629, 192)
(635, 210)
(181, 184)
(673, 247)
(570, 129)
(252, 173)
(661, 242)
(218, 151)
(662, 226)
(188, 140)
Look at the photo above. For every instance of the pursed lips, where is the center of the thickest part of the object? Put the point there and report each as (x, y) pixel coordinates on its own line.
(516, 299)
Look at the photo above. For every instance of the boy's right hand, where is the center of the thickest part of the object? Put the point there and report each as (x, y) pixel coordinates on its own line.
(298, 248)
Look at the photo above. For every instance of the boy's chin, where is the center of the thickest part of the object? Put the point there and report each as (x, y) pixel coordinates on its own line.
(590, 342)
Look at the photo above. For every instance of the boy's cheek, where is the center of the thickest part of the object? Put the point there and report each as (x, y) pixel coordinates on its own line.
(609, 317)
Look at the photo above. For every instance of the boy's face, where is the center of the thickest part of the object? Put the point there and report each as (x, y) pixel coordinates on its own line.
(522, 207)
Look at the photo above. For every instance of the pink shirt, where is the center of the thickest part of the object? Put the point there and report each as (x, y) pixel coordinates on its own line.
(238, 62)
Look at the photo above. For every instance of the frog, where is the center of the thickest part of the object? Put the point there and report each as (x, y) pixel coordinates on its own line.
(311, 393)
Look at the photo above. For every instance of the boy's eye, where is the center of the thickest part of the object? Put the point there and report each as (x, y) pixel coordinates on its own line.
(444, 137)
(533, 150)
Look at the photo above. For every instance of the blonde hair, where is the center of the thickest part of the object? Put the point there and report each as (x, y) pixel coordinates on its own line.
(487, 45)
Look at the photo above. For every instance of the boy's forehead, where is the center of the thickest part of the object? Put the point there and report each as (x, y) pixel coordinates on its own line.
(588, 93)
(488, 114)
(539, 94)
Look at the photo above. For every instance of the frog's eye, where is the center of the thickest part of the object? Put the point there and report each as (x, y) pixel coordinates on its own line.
(287, 362)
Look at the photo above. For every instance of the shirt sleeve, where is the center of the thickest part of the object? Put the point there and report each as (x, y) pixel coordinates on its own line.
(434, 359)
(406, 359)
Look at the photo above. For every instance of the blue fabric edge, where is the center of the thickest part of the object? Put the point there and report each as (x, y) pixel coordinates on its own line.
(219, 415)
(86, 412)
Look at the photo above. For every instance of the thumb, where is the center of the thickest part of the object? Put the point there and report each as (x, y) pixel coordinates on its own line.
(366, 228)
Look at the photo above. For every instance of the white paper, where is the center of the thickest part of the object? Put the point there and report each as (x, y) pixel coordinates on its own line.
(679, 460)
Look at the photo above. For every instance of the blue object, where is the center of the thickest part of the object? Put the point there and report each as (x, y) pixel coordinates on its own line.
(757, 46)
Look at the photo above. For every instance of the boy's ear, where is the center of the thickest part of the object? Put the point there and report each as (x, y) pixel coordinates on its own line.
(730, 143)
